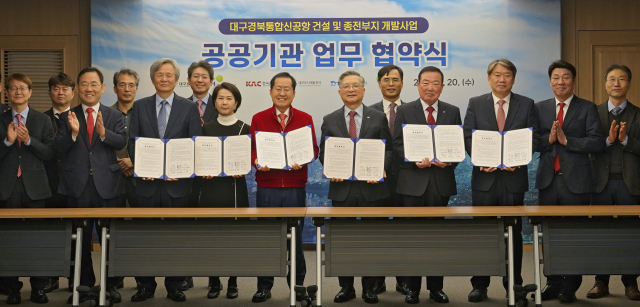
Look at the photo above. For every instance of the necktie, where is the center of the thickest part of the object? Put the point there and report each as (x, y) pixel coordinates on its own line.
(392, 116)
(352, 125)
(162, 119)
(200, 102)
(501, 117)
(20, 124)
(430, 119)
(556, 160)
(90, 124)
(282, 117)
(616, 111)
(57, 115)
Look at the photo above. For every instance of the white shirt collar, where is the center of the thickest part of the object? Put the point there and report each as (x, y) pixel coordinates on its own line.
(425, 105)
(386, 104)
(496, 99)
(56, 112)
(566, 102)
(96, 108)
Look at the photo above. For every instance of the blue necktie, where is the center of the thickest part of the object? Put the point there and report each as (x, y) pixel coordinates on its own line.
(616, 111)
(162, 119)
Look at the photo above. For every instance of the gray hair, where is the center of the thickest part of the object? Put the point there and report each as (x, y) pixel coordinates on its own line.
(350, 73)
(125, 71)
(504, 62)
(156, 66)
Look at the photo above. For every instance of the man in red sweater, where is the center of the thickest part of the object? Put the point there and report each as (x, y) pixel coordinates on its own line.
(281, 188)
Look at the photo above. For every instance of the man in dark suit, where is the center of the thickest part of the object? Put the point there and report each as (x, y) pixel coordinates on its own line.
(390, 83)
(570, 131)
(355, 120)
(27, 140)
(615, 171)
(87, 139)
(426, 183)
(500, 110)
(163, 115)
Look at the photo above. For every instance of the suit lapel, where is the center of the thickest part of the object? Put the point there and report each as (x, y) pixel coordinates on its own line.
(604, 117)
(490, 112)
(82, 124)
(442, 114)
(514, 104)
(211, 108)
(340, 122)
(575, 104)
(176, 109)
(366, 120)
(629, 115)
(153, 117)
(419, 113)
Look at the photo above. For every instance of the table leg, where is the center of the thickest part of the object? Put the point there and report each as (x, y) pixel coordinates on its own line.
(512, 299)
(319, 266)
(103, 268)
(77, 265)
(536, 265)
(292, 268)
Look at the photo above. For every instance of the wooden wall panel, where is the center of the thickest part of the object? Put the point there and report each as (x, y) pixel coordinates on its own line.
(597, 15)
(37, 17)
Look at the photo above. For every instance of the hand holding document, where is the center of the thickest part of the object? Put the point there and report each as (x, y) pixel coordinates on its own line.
(283, 150)
(223, 156)
(340, 154)
(506, 149)
(443, 143)
(149, 158)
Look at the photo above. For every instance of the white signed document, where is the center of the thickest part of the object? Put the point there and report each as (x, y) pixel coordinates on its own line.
(299, 146)
(270, 150)
(369, 160)
(338, 158)
(486, 148)
(449, 143)
(208, 156)
(518, 147)
(418, 142)
(149, 159)
(237, 155)
(179, 158)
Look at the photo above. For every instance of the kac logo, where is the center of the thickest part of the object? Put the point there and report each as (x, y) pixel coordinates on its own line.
(256, 83)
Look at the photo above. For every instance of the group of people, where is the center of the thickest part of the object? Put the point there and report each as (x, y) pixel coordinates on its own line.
(83, 157)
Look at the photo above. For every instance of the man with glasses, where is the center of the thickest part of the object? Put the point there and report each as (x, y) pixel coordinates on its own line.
(27, 140)
(88, 137)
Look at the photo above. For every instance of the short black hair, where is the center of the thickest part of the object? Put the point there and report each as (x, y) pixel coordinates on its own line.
(618, 66)
(88, 70)
(283, 74)
(431, 69)
(385, 70)
(62, 79)
(231, 88)
(562, 64)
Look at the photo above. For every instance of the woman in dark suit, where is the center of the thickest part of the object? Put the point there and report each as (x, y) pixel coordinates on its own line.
(225, 192)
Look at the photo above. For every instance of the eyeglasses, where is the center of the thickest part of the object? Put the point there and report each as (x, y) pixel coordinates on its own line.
(349, 86)
(94, 85)
(22, 88)
(197, 76)
(286, 90)
(613, 80)
(125, 85)
(389, 80)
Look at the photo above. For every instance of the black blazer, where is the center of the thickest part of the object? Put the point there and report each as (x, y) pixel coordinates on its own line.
(210, 113)
(52, 166)
(30, 158)
(392, 176)
(582, 127)
(374, 126)
(184, 122)
(79, 159)
(630, 154)
(481, 115)
(3, 107)
(413, 180)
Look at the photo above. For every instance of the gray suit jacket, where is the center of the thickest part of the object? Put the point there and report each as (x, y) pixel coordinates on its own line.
(630, 155)
(582, 127)
(374, 126)
(412, 180)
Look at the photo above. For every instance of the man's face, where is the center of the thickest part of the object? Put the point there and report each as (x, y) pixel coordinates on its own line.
(126, 88)
(501, 80)
(18, 93)
(61, 95)
(282, 93)
(617, 84)
(164, 79)
(391, 85)
(562, 83)
(430, 86)
(200, 81)
(90, 89)
(351, 90)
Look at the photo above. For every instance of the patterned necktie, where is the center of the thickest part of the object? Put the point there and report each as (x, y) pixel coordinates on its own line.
(200, 102)
(616, 111)
(556, 160)
(283, 123)
(430, 119)
(90, 124)
(20, 124)
(162, 119)
(501, 117)
(392, 116)
(352, 125)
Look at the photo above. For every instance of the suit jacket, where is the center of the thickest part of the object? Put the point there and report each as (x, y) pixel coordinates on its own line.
(30, 158)
(600, 162)
(210, 113)
(374, 126)
(52, 166)
(184, 122)
(481, 115)
(582, 127)
(4, 107)
(394, 170)
(413, 180)
(80, 159)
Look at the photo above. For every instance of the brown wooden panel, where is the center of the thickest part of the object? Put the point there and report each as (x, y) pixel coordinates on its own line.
(607, 15)
(568, 29)
(37, 17)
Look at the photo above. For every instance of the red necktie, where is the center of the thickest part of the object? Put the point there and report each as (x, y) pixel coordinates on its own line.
(501, 117)
(556, 160)
(392, 116)
(282, 116)
(200, 102)
(20, 124)
(90, 124)
(352, 125)
(430, 119)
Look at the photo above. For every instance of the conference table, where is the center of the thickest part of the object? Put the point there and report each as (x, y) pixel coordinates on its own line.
(385, 241)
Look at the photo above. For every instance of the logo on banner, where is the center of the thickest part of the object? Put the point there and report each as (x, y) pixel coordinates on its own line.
(257, 84)
(309, 83)
(334, 83)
